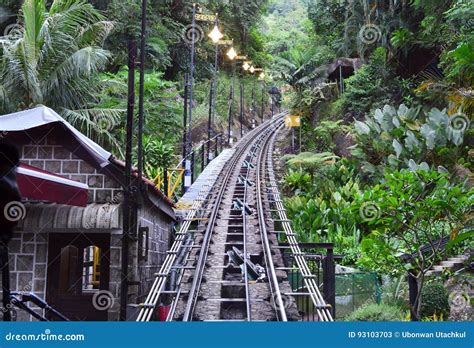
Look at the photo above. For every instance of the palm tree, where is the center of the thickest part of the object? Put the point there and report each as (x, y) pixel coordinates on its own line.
(53, 57)
(295, 64)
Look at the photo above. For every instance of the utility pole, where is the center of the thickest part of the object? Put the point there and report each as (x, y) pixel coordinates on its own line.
(209, 125)
(293, 140)
(231, 102)
(273, 103)
(241, 109)
(189, 140)
(185, 131)
(141, 95)
(254, 113)
(128, 223)
(212, 98)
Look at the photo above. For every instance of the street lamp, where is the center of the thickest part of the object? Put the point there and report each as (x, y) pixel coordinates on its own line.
(231, 53)
(246, 66)
(252, 71)
(261, 77)
(188, 143)
(215, 36)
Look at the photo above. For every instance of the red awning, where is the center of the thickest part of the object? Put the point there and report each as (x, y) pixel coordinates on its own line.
(37, 184)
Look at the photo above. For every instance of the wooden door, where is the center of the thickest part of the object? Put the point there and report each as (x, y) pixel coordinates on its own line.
(78, 269)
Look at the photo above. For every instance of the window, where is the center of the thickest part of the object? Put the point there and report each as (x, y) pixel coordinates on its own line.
(91, 268)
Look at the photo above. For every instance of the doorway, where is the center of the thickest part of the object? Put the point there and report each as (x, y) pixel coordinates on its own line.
(78, 271)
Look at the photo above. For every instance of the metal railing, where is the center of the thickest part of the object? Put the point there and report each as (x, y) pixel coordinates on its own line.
(323, 304)
(173, 180)
(320, 260)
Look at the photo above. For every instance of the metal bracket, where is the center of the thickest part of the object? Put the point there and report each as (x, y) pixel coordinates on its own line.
(254, 271)
(237, 204)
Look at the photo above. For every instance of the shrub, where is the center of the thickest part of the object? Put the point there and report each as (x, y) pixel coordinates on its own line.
(376, 312)
(434, 300)
(371, 86)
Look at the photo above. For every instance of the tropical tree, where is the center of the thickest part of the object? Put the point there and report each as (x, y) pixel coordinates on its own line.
(52, 57)
(410, 214)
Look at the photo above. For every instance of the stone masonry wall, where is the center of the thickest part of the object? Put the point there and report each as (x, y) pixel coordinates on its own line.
(48, 155)
(28, 264)
(141, 270)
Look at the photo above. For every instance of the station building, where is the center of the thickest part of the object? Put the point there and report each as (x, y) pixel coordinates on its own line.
(67, 249)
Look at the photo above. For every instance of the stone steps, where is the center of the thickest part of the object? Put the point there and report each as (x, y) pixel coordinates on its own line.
(451, 264)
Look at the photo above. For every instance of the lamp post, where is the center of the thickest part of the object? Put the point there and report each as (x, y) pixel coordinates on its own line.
(245, 67)
(141, 95)
(188, 143)
(131, 196)
(215, 35)
(262, 111)
(252, 105)
(232, 54)
(185, 129)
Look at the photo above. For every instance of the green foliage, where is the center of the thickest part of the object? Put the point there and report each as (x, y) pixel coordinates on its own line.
(320, 204)
(298, 182)
(159, 156)
(371, 86)
(434, 301)
(462, 59)
(402, 39)
(324, 134)
(163, 107)
(54, 60)
(407, 211)
(310, 161)
(297, 52)
(395, 291)
(409, 137)
(376, 312)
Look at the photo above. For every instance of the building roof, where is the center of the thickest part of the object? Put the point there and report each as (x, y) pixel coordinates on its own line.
(42, 115)
(42, 119)
(347, 65)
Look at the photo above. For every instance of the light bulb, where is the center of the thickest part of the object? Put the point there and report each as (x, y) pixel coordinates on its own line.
(215, 34)
(231, 53)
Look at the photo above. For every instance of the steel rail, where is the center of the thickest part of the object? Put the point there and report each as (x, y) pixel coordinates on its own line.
(271, 272)
(322, 308)
(148, 307)
(200, 266)
(244, 238)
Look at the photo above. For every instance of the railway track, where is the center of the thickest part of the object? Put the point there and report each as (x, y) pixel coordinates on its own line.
(225, 264)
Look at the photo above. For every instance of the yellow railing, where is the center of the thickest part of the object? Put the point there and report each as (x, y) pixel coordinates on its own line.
(96, 267)
(175, 176)
(175, 179)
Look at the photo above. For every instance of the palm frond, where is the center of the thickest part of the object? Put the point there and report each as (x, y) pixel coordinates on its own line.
(33, 15)
(96, 124)
(94, 34)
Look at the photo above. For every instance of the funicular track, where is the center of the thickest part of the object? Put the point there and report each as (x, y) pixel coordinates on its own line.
(228, 266)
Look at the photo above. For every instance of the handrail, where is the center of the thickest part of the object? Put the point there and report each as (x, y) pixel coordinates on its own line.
(166, 179)
(202, 145)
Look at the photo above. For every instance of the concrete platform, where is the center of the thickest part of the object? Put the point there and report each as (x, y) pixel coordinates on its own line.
(203, 185)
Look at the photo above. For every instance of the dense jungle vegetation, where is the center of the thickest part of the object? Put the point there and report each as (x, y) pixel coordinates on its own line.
(384, 89)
